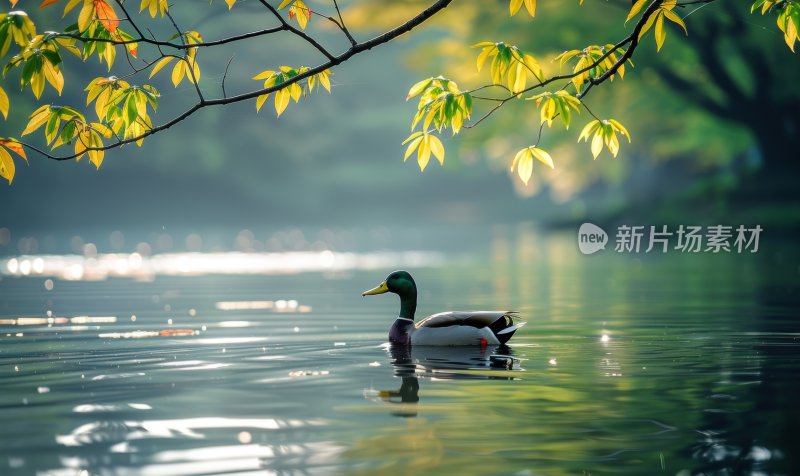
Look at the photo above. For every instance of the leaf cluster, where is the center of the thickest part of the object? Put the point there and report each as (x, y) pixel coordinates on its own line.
(441, 105)
(788, 13)
(294, 90)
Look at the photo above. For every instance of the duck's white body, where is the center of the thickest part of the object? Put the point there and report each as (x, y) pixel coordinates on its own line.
(456, 328)
(455, 335)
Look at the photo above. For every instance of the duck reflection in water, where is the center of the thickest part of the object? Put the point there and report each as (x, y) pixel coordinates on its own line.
(443, 363)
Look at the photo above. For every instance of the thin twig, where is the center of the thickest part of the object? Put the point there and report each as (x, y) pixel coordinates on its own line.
(541, 128)
(342, 25)
(297, 32)
(225, 75)
(589, 110)
(130, 20)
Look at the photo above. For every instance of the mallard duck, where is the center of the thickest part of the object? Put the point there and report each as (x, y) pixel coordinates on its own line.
(445, 328)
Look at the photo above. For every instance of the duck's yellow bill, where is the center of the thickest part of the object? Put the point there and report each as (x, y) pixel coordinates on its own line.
(379, 289)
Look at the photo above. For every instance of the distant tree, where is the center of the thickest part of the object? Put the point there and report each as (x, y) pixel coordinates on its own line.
(746, 85)
(124, 102)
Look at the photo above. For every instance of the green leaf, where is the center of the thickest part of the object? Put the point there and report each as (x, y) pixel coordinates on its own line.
(68, 131)
(131, 111)
(51, 129)
(32, 66)
(52, 57)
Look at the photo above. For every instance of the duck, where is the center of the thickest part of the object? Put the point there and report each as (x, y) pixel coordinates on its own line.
(451, 328)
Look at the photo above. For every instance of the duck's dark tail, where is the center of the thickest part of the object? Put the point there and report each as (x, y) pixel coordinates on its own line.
(504, 327)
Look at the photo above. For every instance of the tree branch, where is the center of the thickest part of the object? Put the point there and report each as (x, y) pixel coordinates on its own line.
(633, 39)
(331, 62)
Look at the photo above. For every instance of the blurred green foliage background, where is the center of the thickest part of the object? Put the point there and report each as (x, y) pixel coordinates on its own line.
(714, 119)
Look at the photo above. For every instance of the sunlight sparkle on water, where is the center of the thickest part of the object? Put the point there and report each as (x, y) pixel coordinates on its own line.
(93, 266)
(50, 320)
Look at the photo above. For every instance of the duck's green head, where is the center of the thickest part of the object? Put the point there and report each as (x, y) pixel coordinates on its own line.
(399, 282)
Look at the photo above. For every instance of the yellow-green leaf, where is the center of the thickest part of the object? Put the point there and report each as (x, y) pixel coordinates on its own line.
(96, 157)
(80, 145)
(37, 83)
(4, 102)
(417, 138)
(530, 5)
(660, 33)
(264, 75)
(543, 157)
(619, 127)
(325, 80)
(282, 98)
(260, 101)
(154, 7)
(515, 5)
(418, 88)
(648, 24)
(523, 162)
(589, 129)
(86, 16)
(597, 144)
(295, 91)
(423, 153)
(102, 129)
(160, 64)
(436, 147)
(54, 76)
(301, 12)
(673, 17)
(7, 168)
(70, 5)
(37, 119)
(635, 9)
(177, 73)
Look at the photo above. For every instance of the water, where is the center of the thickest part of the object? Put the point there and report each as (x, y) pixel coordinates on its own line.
(630, 364)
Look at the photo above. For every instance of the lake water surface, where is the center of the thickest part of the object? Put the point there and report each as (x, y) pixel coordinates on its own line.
(630, 364)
